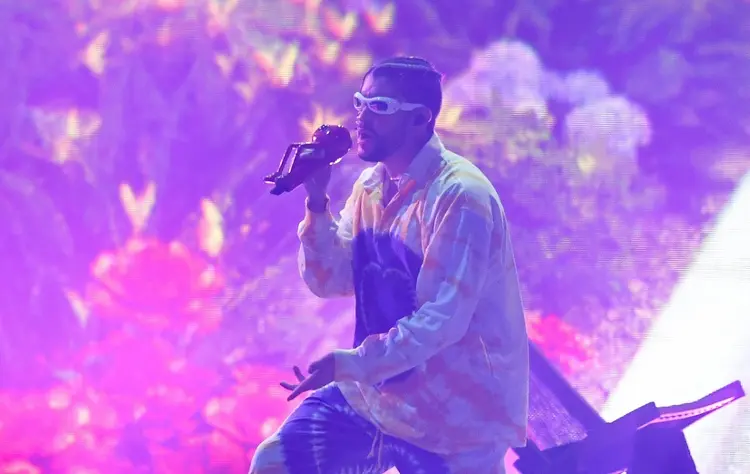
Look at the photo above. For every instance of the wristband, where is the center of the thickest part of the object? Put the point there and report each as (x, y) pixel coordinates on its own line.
(323, 207)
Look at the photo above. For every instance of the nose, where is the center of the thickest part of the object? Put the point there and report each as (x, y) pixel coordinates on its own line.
(360, 123)
(363, 112)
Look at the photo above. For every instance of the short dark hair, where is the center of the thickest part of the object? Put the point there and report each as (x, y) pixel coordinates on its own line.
(417, 79)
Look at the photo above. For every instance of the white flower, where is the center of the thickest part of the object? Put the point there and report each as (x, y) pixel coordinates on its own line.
(620, 125)
(553, 86)
(582, 87)
(507, 73)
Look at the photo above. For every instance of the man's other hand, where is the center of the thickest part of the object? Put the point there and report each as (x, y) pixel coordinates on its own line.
(320, 374)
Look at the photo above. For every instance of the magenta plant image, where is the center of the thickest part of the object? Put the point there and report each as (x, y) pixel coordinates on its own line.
(149, 296)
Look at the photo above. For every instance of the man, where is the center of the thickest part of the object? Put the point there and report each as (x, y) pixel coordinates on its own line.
(437, 381)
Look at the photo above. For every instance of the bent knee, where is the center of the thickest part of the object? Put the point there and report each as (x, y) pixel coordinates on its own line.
(269, 458)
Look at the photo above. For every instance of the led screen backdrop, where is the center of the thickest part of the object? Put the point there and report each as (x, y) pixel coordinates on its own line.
(149, 297)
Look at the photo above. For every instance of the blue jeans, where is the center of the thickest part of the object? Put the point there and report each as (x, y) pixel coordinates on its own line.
(325, 436)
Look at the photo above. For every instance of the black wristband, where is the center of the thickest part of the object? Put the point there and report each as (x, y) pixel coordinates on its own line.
(319, 207)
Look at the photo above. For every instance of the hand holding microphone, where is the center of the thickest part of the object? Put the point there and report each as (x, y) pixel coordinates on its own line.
(311, 163)
(317, 185)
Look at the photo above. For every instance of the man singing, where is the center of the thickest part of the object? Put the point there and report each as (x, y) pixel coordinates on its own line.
(437, 381)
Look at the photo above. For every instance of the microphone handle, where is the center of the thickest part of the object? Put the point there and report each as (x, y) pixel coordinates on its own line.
(304, 166)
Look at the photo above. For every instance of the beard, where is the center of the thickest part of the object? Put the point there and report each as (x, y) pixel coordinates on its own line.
(372, 151)
(376, 150)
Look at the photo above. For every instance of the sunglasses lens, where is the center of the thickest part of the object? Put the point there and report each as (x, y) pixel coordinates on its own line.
(376, 105)
(380, 106)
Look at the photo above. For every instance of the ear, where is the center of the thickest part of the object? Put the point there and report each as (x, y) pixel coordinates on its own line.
(423, 117)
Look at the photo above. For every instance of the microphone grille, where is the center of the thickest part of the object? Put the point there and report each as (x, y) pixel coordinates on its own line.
(335, 139)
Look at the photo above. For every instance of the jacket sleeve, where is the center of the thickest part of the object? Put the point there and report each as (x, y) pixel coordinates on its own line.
(449, 285)
(325, 252)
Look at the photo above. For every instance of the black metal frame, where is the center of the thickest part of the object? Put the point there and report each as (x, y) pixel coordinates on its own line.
(625, 443)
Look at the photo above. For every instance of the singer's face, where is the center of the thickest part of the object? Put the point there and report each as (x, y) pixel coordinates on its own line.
(380, 136)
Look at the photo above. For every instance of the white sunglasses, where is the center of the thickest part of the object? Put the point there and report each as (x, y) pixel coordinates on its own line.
(382, 105)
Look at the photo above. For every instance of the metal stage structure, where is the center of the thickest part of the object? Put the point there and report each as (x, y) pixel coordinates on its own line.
(567, 436)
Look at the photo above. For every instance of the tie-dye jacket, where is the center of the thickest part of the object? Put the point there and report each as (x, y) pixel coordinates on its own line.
(440, 355)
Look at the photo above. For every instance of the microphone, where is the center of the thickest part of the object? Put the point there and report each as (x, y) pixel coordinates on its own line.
(329, 144)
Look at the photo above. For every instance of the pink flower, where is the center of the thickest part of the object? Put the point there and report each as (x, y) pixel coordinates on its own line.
(559, 341)
(156, 284)
(254, 407)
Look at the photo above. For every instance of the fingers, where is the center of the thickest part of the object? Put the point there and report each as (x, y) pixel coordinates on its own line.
(300, 389)
(314, 381)
(323, 364)
(300, 378)
(317, 182)
(323, 174)
(298, 373)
